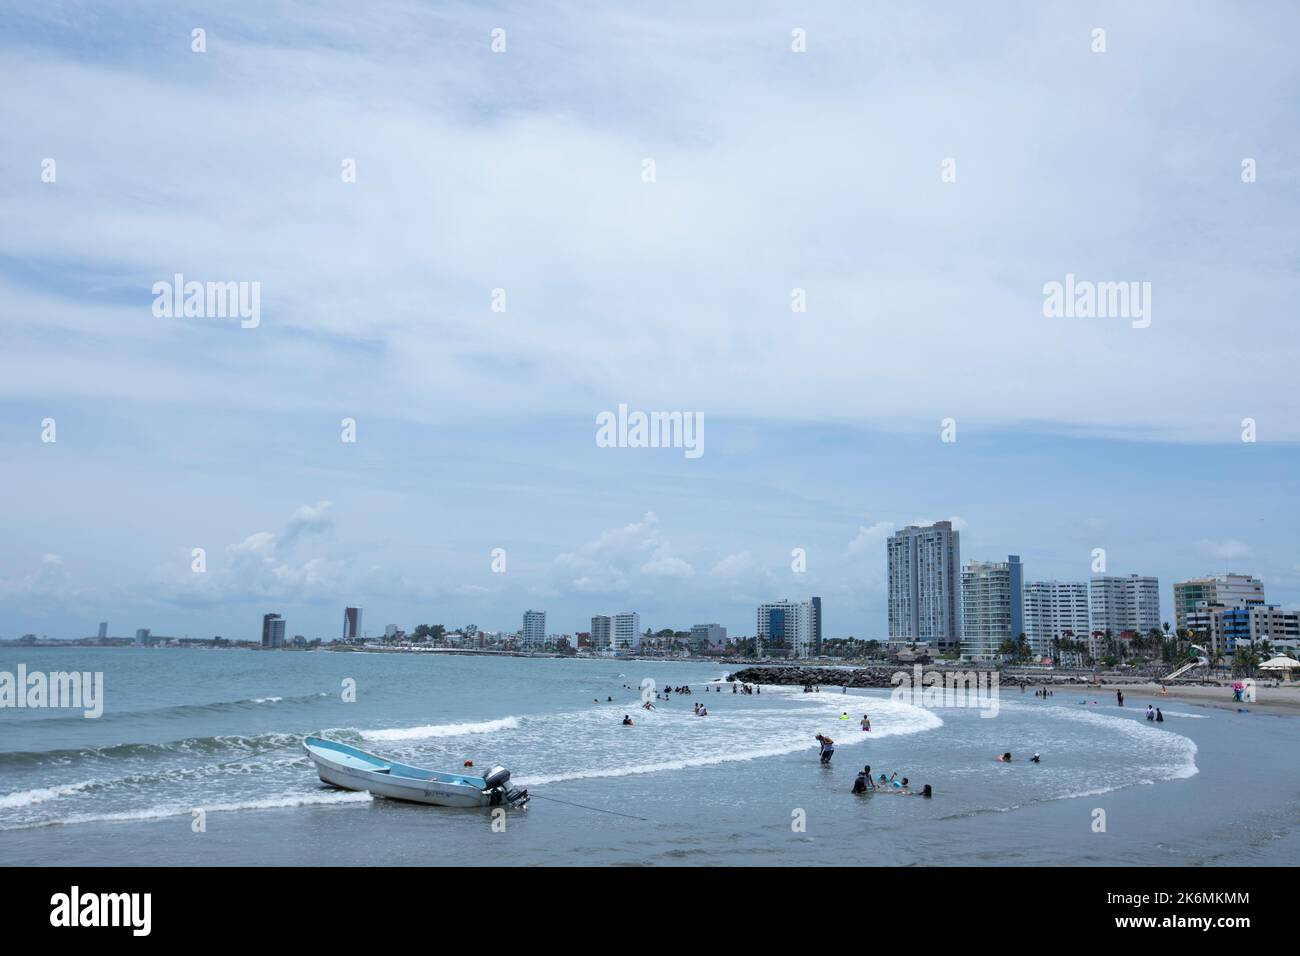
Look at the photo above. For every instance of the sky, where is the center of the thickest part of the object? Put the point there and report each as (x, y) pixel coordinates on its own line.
(920, 171)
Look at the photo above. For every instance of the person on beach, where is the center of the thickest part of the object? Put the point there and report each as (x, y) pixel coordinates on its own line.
(826, 748)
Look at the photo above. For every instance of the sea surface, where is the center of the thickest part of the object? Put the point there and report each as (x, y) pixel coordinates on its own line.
(221, 730)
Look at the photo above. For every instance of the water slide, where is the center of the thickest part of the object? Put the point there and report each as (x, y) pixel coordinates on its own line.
(1201, 660)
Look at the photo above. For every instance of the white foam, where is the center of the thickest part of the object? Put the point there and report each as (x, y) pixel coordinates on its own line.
(738, 728)
(25, 798)
(160, 813)
(442, 730)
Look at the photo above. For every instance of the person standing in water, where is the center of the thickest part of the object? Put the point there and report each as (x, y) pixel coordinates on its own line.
(1160, 718)
(1119, 697)
(827, 747)
(866, 722)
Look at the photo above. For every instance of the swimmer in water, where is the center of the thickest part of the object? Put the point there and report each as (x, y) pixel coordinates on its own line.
(1034, 759)
(1005, 758)
(627, 721)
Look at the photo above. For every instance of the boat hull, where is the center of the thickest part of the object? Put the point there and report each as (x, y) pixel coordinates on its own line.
(396, 788)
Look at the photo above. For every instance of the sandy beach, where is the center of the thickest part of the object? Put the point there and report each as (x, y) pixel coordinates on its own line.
(1284, 699)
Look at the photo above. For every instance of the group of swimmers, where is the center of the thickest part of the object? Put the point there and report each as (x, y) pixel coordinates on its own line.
(865, 783)
(1006, 758)
(1153, 713)
(1044, 693)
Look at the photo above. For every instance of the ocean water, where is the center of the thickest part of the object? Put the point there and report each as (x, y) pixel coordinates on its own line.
(221, 731)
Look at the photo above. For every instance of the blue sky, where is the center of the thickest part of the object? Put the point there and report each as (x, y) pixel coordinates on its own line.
(523, 171)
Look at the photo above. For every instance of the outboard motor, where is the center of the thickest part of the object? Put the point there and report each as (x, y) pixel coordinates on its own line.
(495, 785)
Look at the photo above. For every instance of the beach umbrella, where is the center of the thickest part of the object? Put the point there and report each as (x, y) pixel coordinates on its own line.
(1279, 664)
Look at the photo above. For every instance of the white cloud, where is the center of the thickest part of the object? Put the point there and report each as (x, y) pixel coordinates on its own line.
(869, 540)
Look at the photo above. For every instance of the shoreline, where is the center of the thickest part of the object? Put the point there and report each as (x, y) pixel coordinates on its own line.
(1281, 699)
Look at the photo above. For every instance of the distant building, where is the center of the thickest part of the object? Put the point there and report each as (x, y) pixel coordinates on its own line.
(788, 628)
(1225, 629)
(351, 623)
(925, 585)
(601, 630)
(625, 632)
(584, 640)
(1119, 604)
(103, 630)
(534, 630)
(390, 630)
(272, 630)
(707, 637)
(1219, 590)
(143, 635)
(992, 606)
(1055, 610)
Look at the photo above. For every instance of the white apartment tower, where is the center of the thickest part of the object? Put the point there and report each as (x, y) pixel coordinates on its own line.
(625, 632)
(1119, 604)
(1055, 610)
(992, 606)
(534, 632)
(789, 628)
(925, 585)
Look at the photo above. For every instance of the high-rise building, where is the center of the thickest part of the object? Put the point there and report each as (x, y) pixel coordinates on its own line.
(788, 628)
(925, 585)
(143, 635)
(1222, 590)
(992, 606)
(1118, 604)
(272, 630)
(816, 626)
(601, 629)
(1055, 610)
(103, 630)
(351, 623)
(707, 637)
(625, 632)
(534, 631)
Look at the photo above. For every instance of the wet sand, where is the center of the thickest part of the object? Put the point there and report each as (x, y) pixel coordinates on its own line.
(1268, 699)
